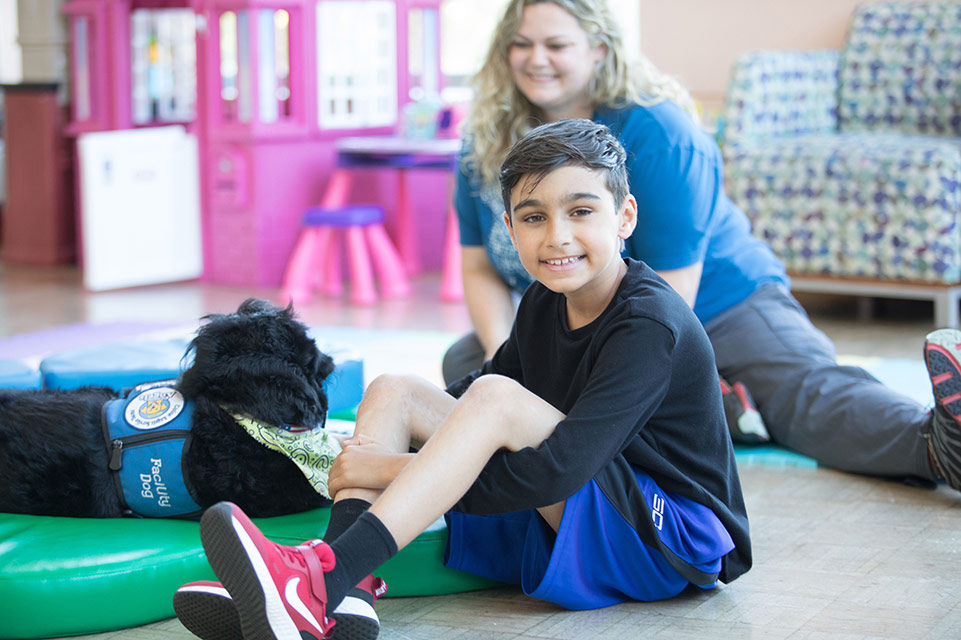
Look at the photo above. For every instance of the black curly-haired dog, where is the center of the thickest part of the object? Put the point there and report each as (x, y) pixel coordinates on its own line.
(258, 361)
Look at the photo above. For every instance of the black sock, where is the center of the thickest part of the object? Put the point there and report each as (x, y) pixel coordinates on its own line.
(343, 514)
(365, 545)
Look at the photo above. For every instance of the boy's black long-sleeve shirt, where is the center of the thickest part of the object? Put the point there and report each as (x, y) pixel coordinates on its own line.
(639, 388)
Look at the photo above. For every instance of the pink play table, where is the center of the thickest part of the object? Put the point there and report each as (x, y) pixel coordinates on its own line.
(403, 155)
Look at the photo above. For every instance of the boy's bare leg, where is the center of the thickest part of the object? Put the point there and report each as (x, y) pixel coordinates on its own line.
(553, 514)
(399, 409)
(396, 410)
(495, 413)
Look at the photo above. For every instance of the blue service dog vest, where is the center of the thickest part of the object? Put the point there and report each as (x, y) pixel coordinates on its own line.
(147, 433)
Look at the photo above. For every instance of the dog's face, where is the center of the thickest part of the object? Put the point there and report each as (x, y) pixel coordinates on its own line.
(261, 362)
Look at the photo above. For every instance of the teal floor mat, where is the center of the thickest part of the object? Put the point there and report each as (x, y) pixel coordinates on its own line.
(770, 455)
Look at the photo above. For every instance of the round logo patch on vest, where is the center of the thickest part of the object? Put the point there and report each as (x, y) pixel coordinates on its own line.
(154, 408)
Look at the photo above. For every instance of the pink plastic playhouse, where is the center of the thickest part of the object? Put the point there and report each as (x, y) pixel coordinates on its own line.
(267, 88)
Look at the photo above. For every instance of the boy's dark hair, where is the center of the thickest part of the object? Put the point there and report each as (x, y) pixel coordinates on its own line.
(565, 143)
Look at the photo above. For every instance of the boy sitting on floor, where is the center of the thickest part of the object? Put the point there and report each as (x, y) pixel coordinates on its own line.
(588, 461)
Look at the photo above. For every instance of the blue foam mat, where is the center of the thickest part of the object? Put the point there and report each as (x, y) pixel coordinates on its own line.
(121, 365)
(117, 365)
(17, 375)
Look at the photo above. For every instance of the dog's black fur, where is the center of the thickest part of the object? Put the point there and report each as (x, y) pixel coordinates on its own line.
(258, 361)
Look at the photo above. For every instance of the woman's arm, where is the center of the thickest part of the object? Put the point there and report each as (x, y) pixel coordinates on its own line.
(675, 175)
(488, 299)
(685, 281)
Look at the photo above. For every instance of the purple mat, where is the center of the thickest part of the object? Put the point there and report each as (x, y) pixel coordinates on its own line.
(39, 344)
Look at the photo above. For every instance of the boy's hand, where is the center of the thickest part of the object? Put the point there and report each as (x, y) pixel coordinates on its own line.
(357, 439)
(365, 464)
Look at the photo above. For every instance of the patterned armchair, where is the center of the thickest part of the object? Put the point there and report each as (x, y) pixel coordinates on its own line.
(848, 163)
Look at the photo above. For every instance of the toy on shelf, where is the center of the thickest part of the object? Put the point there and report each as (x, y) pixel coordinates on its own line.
(163, 60)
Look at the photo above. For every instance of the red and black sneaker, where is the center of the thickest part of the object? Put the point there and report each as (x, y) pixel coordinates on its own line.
(278, 591)
(355, 616)
(942, 353)
(743, 419)
(207, 611)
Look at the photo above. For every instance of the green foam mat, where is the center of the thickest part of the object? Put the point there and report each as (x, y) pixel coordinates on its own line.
(72, 576)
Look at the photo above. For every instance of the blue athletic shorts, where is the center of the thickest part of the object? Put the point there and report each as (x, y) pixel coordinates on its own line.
(596, 559)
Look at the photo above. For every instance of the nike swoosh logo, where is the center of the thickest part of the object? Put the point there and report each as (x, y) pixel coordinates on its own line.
(293, 598)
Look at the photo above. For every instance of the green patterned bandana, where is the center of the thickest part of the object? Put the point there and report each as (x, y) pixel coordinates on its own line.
(313, 450)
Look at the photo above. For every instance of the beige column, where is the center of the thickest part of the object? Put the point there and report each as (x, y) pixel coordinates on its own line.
(43, 42)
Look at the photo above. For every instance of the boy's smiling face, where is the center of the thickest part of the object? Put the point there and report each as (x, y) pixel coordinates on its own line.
(567, 230)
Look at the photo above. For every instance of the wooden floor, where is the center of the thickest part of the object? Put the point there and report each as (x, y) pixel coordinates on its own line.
(836, 556)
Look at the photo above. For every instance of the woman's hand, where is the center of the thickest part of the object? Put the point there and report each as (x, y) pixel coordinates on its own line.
(365, 464)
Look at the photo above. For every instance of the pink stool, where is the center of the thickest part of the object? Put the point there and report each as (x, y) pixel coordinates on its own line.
(315, 262)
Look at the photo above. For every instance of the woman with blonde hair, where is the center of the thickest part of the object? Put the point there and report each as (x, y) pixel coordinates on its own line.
(500, 116)
(557, 59)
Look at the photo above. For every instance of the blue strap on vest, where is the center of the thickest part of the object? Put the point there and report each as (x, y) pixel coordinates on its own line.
(147, 433)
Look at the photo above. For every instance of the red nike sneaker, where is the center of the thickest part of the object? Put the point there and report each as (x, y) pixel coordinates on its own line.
(278, 591)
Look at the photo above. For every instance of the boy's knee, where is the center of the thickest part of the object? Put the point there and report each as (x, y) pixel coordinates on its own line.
(389, 383)
(491, 390)
(388, 388)
(516, 416)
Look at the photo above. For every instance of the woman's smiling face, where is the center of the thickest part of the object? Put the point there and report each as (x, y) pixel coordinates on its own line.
(552, 61)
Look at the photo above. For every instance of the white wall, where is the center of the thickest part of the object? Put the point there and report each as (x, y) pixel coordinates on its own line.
(11, 67)
(697, 40)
